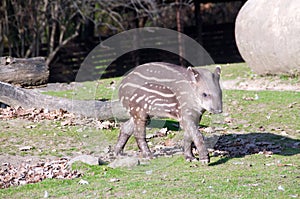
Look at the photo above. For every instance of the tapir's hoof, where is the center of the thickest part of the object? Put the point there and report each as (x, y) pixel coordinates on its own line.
(190, 159)
(147, 154)
(119, 152)
(204, 161)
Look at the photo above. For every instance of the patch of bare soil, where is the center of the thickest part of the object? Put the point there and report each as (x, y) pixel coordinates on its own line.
(260, 84)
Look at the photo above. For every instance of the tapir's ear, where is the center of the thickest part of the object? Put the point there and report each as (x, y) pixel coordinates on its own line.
(217, 72)
(194, 75)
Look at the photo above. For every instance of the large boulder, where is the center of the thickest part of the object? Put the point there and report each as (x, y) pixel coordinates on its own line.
(268, 35)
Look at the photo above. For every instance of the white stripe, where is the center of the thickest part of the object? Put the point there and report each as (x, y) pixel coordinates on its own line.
(153, 78)
(148, 97)
(158, 99)
(168, 105)
(132, 98)
(140, 98)
(148, 90)
(181, 81)
(170, 68)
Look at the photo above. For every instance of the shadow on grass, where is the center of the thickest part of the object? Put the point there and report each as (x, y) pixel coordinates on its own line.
(240, 145)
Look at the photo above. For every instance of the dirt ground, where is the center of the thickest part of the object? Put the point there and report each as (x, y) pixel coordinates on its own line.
(260, 84)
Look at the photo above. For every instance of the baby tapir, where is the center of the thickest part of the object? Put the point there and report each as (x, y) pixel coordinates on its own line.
(167, 90)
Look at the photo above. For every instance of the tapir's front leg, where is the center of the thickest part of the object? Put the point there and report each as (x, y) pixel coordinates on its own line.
(193, 135)
(198, 140)
(188, 155)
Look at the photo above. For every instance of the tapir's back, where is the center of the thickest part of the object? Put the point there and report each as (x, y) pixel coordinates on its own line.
(172, 87)
(168, 76)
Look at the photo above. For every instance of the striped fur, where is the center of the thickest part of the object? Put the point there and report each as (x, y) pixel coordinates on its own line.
(166, 90)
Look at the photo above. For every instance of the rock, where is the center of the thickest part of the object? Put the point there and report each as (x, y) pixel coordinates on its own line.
(124, 162)
(114, 180)
(87, 159)
(25, 148)
(83, 182)
(267, 36)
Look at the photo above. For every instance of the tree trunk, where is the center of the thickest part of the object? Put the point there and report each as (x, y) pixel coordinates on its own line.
(24, 72)
(198, 20)
(180, 30)
(26, 98)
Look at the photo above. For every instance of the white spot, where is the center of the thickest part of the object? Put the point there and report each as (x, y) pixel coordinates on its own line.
(145, 106)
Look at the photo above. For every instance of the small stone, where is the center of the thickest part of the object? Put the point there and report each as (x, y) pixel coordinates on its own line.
(87, 159)
(149, 172)
(114, 180)
(83, 182)
(124, 162)
(280, 188)
(46, 195)
(25, 148)
(294, 196)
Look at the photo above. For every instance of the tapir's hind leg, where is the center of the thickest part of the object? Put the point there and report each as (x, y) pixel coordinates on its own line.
(140, 136)
(126, 131)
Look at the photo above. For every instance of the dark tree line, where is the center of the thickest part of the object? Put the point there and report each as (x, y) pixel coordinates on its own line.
(30, 27)
(25, 25)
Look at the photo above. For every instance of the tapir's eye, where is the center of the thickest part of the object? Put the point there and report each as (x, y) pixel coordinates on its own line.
(204, 95)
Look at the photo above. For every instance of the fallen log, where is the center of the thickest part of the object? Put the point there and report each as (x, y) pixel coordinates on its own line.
(27, 98)
(24, 72)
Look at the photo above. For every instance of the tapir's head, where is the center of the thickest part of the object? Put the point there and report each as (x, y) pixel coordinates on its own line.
(207, 88)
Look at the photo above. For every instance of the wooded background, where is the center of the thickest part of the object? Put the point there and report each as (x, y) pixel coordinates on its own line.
(65, 31)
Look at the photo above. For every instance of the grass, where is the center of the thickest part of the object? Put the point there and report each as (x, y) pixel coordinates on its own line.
(234, 71)
(103, 89)
(270, 110)
(264, 115)
(249, 177)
